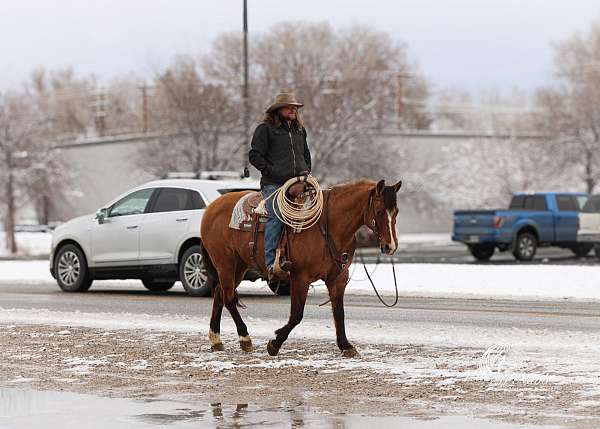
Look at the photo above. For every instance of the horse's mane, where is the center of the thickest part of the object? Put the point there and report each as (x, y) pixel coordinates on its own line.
(356, 183)
(390, 199)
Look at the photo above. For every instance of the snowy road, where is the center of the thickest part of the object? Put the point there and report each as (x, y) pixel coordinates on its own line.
(423, 358)
(113, 297)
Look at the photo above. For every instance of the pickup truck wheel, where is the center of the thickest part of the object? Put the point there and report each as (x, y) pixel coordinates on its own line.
(597, 251)
(525, 247)
(482, 252)
(582, 249)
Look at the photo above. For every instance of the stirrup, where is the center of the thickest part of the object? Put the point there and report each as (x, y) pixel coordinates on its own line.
(276, 273)
(286, 266)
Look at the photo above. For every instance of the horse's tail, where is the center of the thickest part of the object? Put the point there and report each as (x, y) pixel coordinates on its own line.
(213, 276)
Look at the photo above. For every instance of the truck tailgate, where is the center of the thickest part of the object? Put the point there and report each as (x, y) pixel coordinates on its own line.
(472, 224)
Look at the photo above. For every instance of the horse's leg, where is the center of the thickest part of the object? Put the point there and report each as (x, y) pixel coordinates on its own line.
(229, 278)
(298, 292)
(336, 294)
(245, 340)
(214, 334)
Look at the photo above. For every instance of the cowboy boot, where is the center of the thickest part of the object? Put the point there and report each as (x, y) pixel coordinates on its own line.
(277, 274)
(281, 263)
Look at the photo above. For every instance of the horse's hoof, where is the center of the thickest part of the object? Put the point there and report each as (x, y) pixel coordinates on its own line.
(246, 346)
(219, 347)
(350, 353)
(272, 349)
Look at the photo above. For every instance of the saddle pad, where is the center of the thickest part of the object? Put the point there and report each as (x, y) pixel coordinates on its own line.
(241, 216)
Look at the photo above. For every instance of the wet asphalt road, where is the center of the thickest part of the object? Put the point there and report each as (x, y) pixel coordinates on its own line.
(111, 297)
(458, 254)
(132, 297)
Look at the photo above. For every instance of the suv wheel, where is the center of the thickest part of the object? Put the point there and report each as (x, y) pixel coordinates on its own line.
(525, 247)
(157, 286)
(71, 270)
(192, 273)
(280, 288)
(482, 252)
(582, 249)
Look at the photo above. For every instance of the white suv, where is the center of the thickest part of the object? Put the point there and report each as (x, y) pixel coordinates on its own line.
(150, 233)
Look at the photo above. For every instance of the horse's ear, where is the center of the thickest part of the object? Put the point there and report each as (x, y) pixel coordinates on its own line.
(379, 187)
(397, 186)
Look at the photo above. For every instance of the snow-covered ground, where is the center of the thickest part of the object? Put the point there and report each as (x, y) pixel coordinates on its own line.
(28, 243)
(38, 243)
(431, 280)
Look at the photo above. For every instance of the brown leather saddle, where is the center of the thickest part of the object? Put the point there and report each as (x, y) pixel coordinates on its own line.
(256, 220)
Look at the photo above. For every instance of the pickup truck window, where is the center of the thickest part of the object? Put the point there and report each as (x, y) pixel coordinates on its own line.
(567, 203)
(592, 205)
(539, 203)
(528, 202)
(535, 202)
(517, 202)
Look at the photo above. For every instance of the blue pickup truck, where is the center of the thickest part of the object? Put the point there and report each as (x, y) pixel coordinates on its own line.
(532, 220)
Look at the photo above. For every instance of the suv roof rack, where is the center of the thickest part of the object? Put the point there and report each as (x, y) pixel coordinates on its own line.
(206, 175)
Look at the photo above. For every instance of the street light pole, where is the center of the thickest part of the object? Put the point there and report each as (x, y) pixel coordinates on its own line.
(245, 95)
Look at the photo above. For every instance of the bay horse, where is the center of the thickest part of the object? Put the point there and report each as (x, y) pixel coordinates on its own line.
(313, 252)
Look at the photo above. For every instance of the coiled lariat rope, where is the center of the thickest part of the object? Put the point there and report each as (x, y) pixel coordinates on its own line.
(299, 216)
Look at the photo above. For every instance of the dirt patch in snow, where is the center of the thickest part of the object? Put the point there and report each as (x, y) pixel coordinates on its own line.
(411, 380)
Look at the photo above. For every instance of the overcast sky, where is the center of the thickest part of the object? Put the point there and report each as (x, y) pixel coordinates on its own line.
(471, 44)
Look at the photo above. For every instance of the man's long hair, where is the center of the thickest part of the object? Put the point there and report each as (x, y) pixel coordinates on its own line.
(274, 118)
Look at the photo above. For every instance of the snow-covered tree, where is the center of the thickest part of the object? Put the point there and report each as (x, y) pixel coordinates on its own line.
(348, 80)
(20, 125)
(571, 107)
(196, 119)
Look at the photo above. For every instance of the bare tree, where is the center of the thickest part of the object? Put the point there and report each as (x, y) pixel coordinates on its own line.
(347, 80)
(510, 155)
(196, 118)
(571, 108)
(20, 123)
(124, 105)
(64, 99)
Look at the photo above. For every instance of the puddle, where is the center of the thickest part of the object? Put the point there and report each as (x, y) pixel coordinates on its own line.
(20, 409)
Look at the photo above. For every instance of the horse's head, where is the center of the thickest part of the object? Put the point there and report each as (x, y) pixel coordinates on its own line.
(381, 214)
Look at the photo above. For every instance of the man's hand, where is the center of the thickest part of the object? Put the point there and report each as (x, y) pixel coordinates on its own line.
(303, 175)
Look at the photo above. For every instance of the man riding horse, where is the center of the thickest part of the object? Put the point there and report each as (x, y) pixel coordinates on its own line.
(322, 251)
(279, 151)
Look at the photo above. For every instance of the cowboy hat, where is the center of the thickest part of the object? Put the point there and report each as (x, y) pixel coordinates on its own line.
(284, 99)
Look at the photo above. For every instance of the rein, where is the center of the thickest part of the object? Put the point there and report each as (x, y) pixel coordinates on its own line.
(373, 284)
(375, 289)
(342, 260)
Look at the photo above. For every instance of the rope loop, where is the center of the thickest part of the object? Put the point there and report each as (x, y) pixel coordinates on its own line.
(299, 216)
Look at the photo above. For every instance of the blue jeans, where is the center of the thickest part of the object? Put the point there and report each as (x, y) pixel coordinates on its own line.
(273, 227)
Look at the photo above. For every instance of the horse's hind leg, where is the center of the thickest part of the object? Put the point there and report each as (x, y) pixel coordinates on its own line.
(214, 334)
(229, 282)
(245, 340)
(299, 292)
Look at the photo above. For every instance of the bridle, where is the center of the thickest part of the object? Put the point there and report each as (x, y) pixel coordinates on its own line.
(372, 223)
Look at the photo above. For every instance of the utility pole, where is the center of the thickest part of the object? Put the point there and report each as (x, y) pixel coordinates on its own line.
(144, 108)
(399, 103)
(245, 95)
(99, 106)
